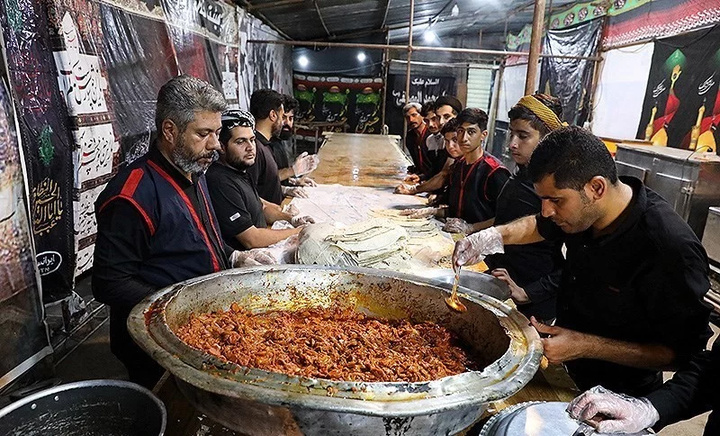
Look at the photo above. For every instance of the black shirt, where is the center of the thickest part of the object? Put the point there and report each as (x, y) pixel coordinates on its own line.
(415, 143)
(279, 152)
(236, 202)
(642, 282)
(265, 171)
(534, 267)
(123, 242)
(474, 188)
(692, 390)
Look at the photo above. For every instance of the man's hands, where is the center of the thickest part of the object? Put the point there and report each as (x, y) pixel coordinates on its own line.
(298, 221)
(609, 412)
(457, 225)
(516, 292)
(305, 164)
(254, 257)
(562, 344)
(302, 181)
(294, 191)
(422, 212)
(473, 249)
(406, 189)
(413, 179)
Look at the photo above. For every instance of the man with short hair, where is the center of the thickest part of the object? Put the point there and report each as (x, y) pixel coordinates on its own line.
(441, 111)
(294, 174)
(242, 215)
(266, 106)
(478, 178)
(630, 296)
(156, 226)
(415, 138)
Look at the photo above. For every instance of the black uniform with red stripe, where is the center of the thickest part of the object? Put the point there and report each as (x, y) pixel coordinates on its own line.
(155, 228)
(475, 187)
(416, 145)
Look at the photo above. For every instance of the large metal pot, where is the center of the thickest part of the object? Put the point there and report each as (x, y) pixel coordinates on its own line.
(92, 407)
(258, 402)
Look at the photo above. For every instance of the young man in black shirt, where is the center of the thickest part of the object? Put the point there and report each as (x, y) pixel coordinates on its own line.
(242, 215)
(531, 271)
(630, 298)
(415, 141)
(266, 106)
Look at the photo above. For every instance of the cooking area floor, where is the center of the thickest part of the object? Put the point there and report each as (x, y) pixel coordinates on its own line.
(93, 360)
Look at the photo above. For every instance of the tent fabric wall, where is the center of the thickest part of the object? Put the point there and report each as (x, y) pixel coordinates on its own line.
(512, 88)
(621, 90)
(86, 91)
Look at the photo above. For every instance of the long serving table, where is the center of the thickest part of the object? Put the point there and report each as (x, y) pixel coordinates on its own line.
(370, 161)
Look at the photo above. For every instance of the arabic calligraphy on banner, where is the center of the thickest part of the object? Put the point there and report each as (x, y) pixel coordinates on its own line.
(422, 90)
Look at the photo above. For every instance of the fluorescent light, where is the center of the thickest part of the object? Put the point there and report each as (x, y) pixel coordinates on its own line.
(429, 36)
(361, 56)
(455, 11)
(303, 61)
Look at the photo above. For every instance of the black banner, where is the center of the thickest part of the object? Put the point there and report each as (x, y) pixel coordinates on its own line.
(571, 79)
(354, 102)
(47, 142)
(682, 100)
(422, 89)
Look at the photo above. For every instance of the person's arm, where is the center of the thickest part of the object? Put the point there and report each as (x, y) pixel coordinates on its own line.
(438, 181)
(482, 225)
(255, 237)
(522, 231)
(121, 247)
(285, 173)
(273, 212)
(564, 344)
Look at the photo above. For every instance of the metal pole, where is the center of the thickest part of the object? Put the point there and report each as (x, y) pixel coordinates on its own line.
(494, 107)
(496, 53)
(409, 52)
(386, 74)
(535, 46)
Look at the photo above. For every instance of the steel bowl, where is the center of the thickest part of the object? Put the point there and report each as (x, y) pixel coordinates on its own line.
(258, 402)
(91, 407)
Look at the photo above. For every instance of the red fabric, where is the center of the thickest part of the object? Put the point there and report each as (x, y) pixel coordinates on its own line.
(671, 108)
(146, 217)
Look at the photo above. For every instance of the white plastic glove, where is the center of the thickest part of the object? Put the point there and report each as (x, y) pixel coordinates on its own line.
(622, 414)
(298, 221)
(254, 257)
(290, 209)
(305, 164)
(473, 249)
(302, 181)
(423, 212)
(406, 189)
(294, 191)
(457, 225)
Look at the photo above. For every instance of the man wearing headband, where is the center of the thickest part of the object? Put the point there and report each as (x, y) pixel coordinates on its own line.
(531, 271)
(156, 226)
(630, 298)
(242, 214)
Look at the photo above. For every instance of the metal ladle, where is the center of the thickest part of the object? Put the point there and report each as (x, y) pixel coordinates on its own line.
(453, 301)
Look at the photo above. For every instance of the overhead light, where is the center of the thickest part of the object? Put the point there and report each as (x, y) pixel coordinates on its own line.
(361, 56)
(455, 11)
(429, 36)
(303, 61)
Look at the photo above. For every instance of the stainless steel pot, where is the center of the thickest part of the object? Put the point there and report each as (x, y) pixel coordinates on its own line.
(92, 407)
(259, 402)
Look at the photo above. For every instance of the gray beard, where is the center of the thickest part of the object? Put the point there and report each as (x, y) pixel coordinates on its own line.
(188, 162)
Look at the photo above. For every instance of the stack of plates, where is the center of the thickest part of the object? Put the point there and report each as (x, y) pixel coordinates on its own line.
(535, 419)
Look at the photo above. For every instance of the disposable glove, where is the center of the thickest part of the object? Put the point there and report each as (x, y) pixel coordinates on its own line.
(254, 257)
(473, 249)
(406, 189)
(305, 164)
(423, 212)
(294, 191)
(302, 181)
(290, 209)
(457, 225)
(298, 221)
(622, 413)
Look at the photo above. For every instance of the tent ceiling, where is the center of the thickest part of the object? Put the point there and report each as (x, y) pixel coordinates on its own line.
(328, 20)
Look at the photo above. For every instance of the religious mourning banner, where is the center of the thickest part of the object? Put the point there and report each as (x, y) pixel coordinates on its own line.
(571, 79)
(423, 89)
(47, 141)
(354, 102)
(22, 330)
(682, 99)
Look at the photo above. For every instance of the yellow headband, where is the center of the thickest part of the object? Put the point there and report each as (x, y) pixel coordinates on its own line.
(546, 115)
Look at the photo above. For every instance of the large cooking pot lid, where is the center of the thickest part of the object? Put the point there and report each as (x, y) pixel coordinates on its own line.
(535, 419)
